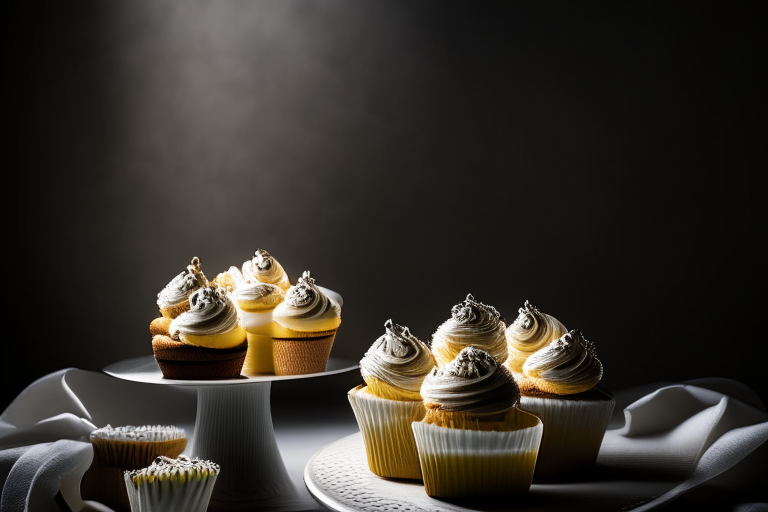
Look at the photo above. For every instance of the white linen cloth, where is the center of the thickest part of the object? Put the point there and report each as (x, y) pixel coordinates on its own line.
(693, 432)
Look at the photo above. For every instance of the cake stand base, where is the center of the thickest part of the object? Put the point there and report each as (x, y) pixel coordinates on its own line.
(234, 429)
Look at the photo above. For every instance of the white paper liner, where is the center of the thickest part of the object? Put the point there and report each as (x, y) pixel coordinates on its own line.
(573, 432)
(386, 428)
(169, 494)
(467, 463)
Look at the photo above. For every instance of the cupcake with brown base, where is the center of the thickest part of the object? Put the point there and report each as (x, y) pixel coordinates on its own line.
(472, 324)
(304, 328)
(125, 448)
(532, 330)
(558, 385)
(393, 369)
(172, 485)
(474, 441)
(174, 298)
(206, 342)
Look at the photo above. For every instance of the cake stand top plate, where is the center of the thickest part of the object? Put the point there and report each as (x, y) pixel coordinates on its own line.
(145, 369)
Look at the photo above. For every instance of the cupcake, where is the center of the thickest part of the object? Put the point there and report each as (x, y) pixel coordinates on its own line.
(472, 324)
(304, 328)
(532, 330)
(558, 385)
(125, 448)
(393, 369)
(255, 303)
(174, 298)
(206, 342)
(172, 485)
(266, 269)
(473, 440)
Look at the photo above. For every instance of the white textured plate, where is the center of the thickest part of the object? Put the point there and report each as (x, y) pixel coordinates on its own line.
(339, 478)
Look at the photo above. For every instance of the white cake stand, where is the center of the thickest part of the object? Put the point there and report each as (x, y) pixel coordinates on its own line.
(233, 428)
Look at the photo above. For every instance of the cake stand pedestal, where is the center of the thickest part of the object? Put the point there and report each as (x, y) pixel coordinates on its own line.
(233, 428)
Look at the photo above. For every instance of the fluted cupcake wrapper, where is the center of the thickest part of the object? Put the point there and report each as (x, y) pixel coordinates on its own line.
(573, 432)
(387, 434)
(299, 356)
(459, 463)
(170, 494)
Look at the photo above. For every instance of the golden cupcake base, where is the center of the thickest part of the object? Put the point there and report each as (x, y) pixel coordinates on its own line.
(459, 463)
(387, 433)
(298, 356)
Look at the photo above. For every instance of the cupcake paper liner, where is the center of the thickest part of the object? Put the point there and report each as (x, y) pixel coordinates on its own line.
(260, 357)
(458, 463)
(387, 433)
(573, 432)
(298, 356)
(173, 493)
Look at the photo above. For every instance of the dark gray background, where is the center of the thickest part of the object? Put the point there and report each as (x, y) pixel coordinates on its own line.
(594, 158)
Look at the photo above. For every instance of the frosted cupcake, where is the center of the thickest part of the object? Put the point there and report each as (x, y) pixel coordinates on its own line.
(558, 385)
(172, 485)
(304, 328)
(532, 330)
(206, 342)
(126, 448)
(256, 301)
(174, 298)
(472, 324)
(473, 440)
(393, 369)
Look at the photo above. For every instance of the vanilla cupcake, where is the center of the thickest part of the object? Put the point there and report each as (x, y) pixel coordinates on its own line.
(304, 327)
(126, 448)
(532, 330)
(472, 324)
(266, 269)
(473, 440)
(558, 385)
(206, 342)
(256, 301)
(393, 369)
(174, 298)
(172, 485)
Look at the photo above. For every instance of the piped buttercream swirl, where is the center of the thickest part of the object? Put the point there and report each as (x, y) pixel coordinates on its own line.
(532, 330)
(566, 366)
(178, 290)
(211, 312)
(473, 383)
(177, 471)
(252, 295)
(266, 269)
(472, 323)
(398, 358)
(143, 433)
(306, 308)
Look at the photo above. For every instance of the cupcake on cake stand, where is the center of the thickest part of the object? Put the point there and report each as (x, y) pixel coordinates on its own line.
(233, 428)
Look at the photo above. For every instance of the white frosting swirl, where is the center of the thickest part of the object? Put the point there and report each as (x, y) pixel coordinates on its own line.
(567, 365)
(306, 308)
(252, 295)
(180, 470)
(531, 331)
(182, 286)
(473, 383)
(398, 358)
(472, 323)
(211, 312)
(143, 433)
(265, 269)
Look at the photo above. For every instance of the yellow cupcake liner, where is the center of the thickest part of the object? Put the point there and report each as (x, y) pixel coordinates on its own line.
(387, 433)
(458, 463)
(259, 358)
(573, 432)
